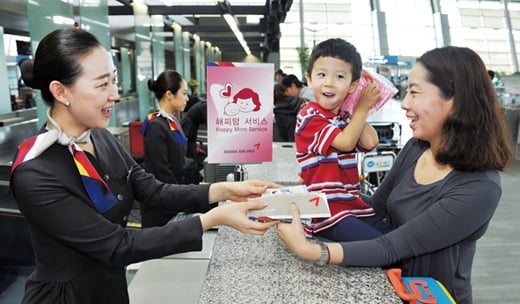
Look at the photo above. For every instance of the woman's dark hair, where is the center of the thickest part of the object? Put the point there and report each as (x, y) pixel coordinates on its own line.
(168, 80)
(474, 134)
(57, 58)
(491, 74)
(288, 80)
(279, 96)
(340, 49)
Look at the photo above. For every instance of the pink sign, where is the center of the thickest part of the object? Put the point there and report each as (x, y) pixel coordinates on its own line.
(240, 112)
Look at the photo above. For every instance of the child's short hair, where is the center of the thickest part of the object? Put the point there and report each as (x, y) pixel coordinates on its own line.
(337, 48)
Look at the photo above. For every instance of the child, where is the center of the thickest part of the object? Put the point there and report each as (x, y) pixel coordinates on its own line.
(327, 139)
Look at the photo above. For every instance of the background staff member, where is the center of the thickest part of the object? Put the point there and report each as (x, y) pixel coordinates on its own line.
(165, 142)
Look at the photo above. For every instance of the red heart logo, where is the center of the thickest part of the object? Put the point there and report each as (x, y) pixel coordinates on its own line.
(226, 92)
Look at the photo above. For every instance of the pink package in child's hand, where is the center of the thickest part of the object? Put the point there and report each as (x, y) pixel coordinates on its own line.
(386, 89)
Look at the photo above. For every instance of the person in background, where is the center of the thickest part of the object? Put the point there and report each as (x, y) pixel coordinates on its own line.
(328, 139)
(491, 75)
(191, 123)
(444, 186)
(193, 97)
(193, 84)
(294, 87)
(164, 141)
(285, 110)
(75, 184)
(278, 76)
(24, 91)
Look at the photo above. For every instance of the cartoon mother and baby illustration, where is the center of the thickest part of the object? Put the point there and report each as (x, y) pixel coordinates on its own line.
(245, 101)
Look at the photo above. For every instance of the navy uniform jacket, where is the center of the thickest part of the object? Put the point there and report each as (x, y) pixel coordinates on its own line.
(80, 254)
(164, 158)
(163, 155)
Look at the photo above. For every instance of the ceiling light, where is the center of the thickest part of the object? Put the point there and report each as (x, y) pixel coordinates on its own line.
(231, 21)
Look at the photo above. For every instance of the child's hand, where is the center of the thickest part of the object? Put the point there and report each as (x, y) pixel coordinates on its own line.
(369, 96)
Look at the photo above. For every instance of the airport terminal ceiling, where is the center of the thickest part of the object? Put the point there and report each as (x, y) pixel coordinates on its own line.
(259, 21)
(263, 23)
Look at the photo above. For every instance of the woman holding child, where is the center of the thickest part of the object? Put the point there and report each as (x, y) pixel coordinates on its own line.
(444, 187)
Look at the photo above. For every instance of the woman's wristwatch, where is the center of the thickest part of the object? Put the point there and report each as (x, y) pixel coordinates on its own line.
(325, 254)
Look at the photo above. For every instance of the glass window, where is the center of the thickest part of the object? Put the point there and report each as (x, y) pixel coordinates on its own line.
(410, 28)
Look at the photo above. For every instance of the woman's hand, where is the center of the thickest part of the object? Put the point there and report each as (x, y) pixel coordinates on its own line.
(239, 191)
(293, 236)
(235, 215)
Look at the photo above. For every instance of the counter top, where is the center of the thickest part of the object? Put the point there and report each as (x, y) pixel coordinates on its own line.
(10, 121)
(260, 269)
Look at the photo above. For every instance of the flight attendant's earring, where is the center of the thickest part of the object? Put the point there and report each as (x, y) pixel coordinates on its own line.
(67, 104)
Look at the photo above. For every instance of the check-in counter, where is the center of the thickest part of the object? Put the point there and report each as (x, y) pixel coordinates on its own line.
(126, 110)
(122, 134)
(260, 269)
(15, 128)
(16, 251)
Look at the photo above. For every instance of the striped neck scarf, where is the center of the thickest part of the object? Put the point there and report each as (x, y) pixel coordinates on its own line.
(96, 187)
(173, 123)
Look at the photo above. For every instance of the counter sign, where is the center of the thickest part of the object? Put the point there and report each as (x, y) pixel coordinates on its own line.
(240, 112)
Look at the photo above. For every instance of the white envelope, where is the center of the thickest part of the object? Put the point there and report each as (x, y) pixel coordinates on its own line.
(310, 204)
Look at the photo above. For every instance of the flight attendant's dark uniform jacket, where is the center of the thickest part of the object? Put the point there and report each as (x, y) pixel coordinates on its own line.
(164, 158)
(163, 154)
(80, 254)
